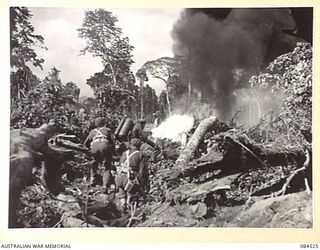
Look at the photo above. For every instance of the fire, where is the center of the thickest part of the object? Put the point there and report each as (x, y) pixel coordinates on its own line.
(174, 127)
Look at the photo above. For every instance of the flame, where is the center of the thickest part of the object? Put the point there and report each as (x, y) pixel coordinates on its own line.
(174, 127)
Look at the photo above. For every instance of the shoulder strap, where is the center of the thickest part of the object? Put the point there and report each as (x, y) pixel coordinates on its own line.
(126, 163)
(129, 156)
(98, 135)
(98, 132)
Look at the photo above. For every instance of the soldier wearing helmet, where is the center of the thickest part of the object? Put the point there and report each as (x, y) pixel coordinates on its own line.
(132, 178)
(100, 141)
(137, 130)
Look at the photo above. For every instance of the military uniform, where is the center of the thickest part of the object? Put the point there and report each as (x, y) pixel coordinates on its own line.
(137, 131)
(133, 177)
(101, 143)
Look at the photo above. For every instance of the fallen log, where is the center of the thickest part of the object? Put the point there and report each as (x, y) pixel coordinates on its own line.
(259, 154)
(233, 153)
(196, 138)
(240, 154)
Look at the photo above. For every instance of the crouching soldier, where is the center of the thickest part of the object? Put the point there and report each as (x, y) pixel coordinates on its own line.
(138, 130)
(132, 178)
(139, 133)
(101, 144)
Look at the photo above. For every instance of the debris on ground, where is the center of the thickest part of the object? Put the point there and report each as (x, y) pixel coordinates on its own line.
(234, 182)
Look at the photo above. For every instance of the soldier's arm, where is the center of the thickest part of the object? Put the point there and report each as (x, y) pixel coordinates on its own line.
(144, 135)
(143, 175)
(112, 139)
(143, 167)
(88, 140)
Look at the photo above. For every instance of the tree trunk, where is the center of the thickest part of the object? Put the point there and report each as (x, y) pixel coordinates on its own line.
(168, 100)
(196, 138)
(141, 99)
(242, 155)
(114, 78)
(189, 94)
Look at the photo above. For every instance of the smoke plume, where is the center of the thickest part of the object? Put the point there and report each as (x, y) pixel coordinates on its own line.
(224, 47)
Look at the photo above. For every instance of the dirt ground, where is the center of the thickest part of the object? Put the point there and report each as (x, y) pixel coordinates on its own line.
(287, 211)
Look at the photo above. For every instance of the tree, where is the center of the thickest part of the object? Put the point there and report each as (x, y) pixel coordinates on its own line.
(110, 96)
(142, 77)
(71, 89)
(150, 101)
(22, 42)
(291, 75)
(105, 40)
(170, 71)
(114, 85)
(46, 101)
(22, 81)
(163, 103)
(53, 79)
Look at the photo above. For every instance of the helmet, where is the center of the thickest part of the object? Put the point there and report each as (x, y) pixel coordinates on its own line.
(136, 142)
(99, 122)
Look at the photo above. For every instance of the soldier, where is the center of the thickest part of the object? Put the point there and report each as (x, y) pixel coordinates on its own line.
(137, 130)
(100, 141)
(133, 177)
(139, 133)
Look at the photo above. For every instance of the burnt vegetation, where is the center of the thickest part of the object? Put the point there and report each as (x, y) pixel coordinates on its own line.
(244, 78)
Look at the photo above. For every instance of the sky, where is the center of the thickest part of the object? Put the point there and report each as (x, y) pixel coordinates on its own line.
(148, 31)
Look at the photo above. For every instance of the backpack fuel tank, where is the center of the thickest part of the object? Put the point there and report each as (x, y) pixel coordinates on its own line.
(124, 127)
(116, 132)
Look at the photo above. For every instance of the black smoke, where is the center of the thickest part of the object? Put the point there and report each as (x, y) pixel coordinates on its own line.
(218, 43)
(303, 18)
(218, 14)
